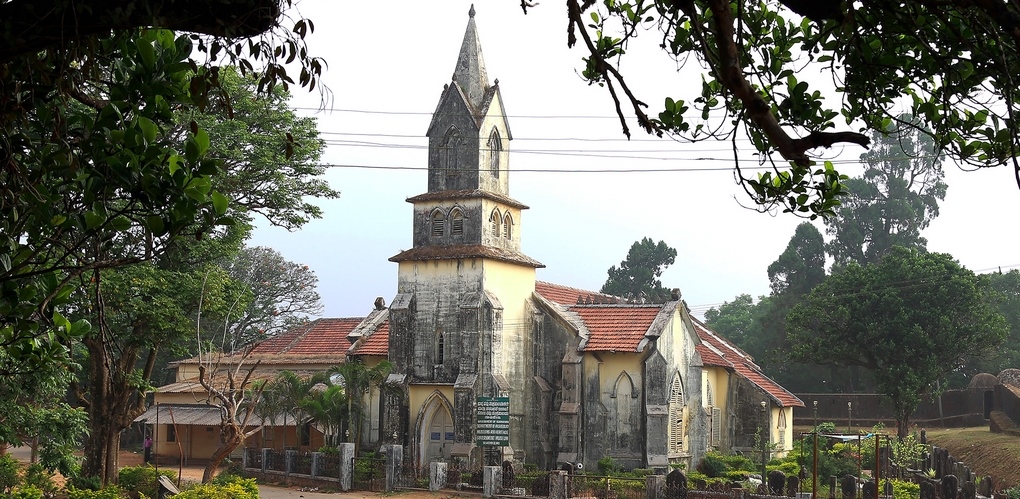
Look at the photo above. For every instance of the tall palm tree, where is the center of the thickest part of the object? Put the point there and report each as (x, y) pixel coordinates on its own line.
(326, 407)
(292, 390)
(358, 380)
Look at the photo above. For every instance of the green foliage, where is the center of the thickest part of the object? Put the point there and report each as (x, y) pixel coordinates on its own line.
(143, 479)
(711, 466)
(607, 466)
(38, 477)
(9, 471)
(881, 55)
(231, 487)
(1013, 492)
(108, 492)
(911, 339)
(903, 489)
(907, 451)
(26, 492)
(637, 277)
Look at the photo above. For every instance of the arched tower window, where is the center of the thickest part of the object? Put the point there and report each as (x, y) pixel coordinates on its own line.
(456, 222)
(676, 416)
(494, 220)
(495, 148)
(508, 225)
(450, 151)
(438, 223)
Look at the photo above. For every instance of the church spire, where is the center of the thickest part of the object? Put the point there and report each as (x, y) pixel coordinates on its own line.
(470, 71)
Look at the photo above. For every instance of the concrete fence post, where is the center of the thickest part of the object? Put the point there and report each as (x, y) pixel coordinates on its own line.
(316, 463)
(267, 456)
(437, 475)
(346, 466)
(290, 460)
(558, 484)
(655, 486)
(492, 480)
(394, 465)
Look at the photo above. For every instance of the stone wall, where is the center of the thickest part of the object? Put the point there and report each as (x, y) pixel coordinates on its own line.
(959, 408)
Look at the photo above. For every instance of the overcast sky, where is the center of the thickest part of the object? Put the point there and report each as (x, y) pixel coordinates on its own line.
(388, 62)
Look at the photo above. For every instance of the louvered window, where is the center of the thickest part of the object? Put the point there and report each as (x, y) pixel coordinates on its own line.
(675, 426)
(508, 224)
(456, 222)
(438, 224)
(716, 426)
(440, 349)
(495, 148)
(782, 430)
(494, 223)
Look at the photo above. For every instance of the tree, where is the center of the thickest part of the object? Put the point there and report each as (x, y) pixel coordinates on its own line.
(293, 390)
(801, 266)
(889, 205)
(740, 322)
(358, 381)
(910, 320)
(328, 408)
(86, 97)
(952, 64)
(229, 393)
(1006, 355)
(278, 295)
(637, 277)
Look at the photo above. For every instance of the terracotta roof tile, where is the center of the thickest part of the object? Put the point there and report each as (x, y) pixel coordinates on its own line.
(717, 351)
(618, 328)
(377, 343)
(317, 338)
(568, 296)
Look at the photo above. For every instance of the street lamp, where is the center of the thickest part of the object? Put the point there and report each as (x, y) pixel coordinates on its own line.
(849, 416)
(815, 403)
(764, 443)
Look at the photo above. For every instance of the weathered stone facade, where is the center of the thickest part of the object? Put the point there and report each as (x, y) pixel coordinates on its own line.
(587, 375)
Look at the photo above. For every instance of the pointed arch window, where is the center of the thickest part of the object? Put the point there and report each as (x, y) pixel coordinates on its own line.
(782, 430)
(456, 222)
(449, 152)
(675, 426)
(438, 223)
(494, 221)
(495, 150)
(508, 226)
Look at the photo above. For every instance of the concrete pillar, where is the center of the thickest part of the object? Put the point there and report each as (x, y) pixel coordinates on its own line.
(346, 465)
(558, 484)
(316, 463)
(267, 455)
(290, 460)
(655, 486)
(437, 475)
(394, 465)
(492, 480)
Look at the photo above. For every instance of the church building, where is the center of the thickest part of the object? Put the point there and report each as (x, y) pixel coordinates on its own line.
(493, 365)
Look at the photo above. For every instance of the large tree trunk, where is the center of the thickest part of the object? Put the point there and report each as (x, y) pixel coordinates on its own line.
(230, 438)
(113, 402)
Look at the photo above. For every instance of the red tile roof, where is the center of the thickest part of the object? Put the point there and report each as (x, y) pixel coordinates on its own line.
(317, 338)
(567, 296)
(717, 351)
(377, 343)
(616, 328)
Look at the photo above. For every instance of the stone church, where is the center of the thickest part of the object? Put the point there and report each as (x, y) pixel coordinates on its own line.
(491, 364)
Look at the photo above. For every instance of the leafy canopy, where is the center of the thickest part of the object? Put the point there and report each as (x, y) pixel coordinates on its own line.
(910, 319)
(951, 64)
(637, 277)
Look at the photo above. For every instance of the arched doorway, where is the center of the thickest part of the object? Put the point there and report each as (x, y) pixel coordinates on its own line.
(436, 432)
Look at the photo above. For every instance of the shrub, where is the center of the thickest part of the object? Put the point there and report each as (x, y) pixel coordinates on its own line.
(231, 487)
(26, 492)
(905, 490)
(607, 466)
(712, 466)
(38, 477)
(108, 492)
(9, 468)
(1012, 492)
(738, 462)
(142, 479)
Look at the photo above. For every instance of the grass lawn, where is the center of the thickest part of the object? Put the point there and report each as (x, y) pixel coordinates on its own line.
(986, 453)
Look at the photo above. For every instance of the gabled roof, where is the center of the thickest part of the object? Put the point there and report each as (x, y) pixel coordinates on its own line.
(375, 342)
(717, 351)
(460, 251)
(616, 328)
(321, 341)
(568, 296)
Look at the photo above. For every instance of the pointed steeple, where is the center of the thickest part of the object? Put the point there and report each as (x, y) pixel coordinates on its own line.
(470, 71)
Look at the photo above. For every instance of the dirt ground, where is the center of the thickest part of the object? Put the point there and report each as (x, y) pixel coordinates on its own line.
(986, 453)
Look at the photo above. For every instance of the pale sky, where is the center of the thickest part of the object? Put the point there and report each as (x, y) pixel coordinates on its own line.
(388, 62)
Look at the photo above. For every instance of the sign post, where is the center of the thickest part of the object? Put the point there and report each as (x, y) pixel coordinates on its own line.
(492, 424)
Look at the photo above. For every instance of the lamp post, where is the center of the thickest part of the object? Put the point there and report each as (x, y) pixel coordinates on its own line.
(764, 443)
(849, 416)
(815, 403)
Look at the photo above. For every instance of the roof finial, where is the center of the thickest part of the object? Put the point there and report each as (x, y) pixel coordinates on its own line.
(471, 13)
